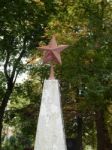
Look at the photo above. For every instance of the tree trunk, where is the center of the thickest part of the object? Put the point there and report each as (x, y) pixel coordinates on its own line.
(103, 140)
(79, 132)
(2, 109)
(0, 134)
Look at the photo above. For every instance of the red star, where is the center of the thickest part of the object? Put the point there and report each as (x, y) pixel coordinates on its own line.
(51, 52)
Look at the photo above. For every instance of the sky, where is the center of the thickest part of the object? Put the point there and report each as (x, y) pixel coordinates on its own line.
(21, 78)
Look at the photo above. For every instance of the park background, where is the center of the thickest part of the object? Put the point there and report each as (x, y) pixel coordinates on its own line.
(85, 76)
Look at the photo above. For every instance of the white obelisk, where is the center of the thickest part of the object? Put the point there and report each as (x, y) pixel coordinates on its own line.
(50, 129)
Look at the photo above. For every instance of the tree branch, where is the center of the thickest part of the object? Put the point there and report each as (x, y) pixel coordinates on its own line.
(18, 60)
(6, 64)
(16, 75)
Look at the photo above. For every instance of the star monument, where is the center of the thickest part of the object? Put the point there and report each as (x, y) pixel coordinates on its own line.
(51, 54)
(50, 133)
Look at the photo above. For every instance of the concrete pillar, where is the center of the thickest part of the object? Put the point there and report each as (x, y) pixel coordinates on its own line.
(50, 131)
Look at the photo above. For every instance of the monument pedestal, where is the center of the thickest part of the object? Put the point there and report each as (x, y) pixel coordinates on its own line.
(50, 131)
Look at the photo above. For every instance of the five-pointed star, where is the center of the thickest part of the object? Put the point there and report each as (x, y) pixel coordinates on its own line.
(51, 52)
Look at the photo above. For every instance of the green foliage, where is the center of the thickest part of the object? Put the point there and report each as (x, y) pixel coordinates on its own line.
(86, 73)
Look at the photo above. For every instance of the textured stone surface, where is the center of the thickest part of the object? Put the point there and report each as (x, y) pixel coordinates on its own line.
(50, 132)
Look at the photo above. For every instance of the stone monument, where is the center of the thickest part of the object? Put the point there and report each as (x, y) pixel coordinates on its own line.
(50, 129)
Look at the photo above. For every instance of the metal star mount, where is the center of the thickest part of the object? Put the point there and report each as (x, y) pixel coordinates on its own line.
(52, 54)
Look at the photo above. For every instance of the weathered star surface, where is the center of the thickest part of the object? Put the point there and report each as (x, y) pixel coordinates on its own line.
(50, 131)
(51, 52)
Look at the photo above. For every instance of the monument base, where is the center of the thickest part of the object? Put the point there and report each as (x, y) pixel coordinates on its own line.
(50, 131)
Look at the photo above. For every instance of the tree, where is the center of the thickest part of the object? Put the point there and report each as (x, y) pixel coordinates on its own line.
(22, 27)
(88, 63)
